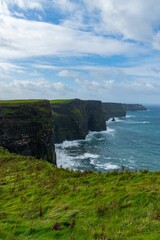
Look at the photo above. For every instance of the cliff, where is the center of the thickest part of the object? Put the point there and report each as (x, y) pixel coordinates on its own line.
(73, 119)
(26, 128)
(134, 107)
(113, 110)
(30, 127)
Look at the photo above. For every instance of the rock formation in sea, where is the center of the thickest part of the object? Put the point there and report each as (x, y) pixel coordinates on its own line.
(112, 110)
(26, 128)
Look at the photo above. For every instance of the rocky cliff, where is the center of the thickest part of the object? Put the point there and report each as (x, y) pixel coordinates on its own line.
(73, 119)
(134, 107)
(30, 127)
(113, 110)
(26, 128)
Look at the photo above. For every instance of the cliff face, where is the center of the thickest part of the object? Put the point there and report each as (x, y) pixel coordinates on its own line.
(75, 118)
(26, 128)
(134, 107)
(113, 110)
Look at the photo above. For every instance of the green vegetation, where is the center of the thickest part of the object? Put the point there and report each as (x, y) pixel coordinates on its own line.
(23, 107)
(39, 201)
(18, 102)
(61, 101)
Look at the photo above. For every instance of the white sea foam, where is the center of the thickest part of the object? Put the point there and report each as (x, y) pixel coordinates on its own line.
(120, 120)
(137, 122)
(99, 139)
(63, 159)
(67, 161)
(69, 144)
(130, 116)
(107, 166)
(110, 131)
(90, 136)
(86, 156)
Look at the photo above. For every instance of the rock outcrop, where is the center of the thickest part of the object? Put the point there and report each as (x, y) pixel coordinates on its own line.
(26, 128)
(73, 119)
(112, 110)
(134, 107)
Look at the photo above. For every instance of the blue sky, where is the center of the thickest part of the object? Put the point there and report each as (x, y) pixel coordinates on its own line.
(106, 49)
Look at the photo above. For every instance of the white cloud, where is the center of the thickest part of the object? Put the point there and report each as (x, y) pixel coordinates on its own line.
(4, 8)
(9, 67)
(134, 20)
(46, 66)
(6, 5)
(17, 89)
(67, 73)
(125, 91)
(64, 5)
(21, 38)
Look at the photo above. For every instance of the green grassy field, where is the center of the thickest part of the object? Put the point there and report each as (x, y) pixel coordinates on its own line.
(61, 101)
(18, 102)
(39, 201)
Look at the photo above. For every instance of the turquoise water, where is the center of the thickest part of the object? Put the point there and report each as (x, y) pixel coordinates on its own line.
(132, 141)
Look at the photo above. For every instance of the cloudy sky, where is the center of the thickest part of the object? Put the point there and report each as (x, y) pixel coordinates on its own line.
(89, 49)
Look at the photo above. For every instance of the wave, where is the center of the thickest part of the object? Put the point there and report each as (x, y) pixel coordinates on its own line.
(120, 120)
(110, 131)
(86, 156)
(64, 160)
(68, 161)
(105, 166)
(90, 136)
(100, 139)
(69, 144)
(137, 122)
(130, 116)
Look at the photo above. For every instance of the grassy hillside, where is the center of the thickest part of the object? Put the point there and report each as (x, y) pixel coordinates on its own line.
(39, 201)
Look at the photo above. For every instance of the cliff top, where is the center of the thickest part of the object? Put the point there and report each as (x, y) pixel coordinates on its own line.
(61, 101)
(21, 101)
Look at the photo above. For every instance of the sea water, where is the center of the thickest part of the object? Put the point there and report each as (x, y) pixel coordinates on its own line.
(132, 142)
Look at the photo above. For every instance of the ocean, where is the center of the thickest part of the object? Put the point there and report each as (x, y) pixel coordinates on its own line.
(131, 142)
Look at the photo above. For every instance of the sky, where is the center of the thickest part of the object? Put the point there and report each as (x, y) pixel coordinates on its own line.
(107, 50)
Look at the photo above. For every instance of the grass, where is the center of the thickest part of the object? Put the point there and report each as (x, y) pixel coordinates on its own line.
(39, 201)
(28, 108)
(61, 101)
(18, 102)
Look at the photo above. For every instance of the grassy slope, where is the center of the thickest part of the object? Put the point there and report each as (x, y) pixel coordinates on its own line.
(39, 201)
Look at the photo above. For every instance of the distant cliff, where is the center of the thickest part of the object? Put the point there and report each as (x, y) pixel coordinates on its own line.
(113, 110)
(73, 119)
(134, 107)
(26, 128)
